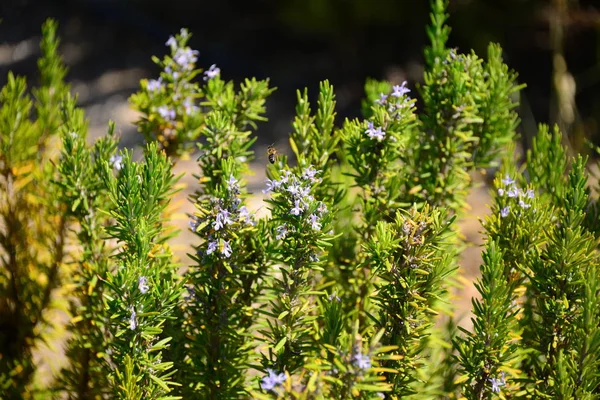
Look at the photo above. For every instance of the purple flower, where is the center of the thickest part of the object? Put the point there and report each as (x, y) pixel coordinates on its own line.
(222, 220)
(212, 72)
(143, 284)
(505, 211)
(116, 161)
(272, 185)
(314, 221)
(513, 192)
(246, 216)
(376, 133)
(186, 57)
(133, 323)
(189, 106)
(309, 173)
(226, 249)
(524, 205)
(272, 380)
(170, 71)
(362, 361)
(172, 42)
(296, 210)
(507, 181)
(382, 99)
(530, 194)
(154, 85)
(500, 192)
(400, 90)
(497, 383)
(167, 113)
(232, 183)
(293, 189)
(194, 224)
(212, 247)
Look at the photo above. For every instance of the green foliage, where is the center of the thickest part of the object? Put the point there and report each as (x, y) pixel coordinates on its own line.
(341, 291)
(33, 223)
(81, 186)
(143, 290)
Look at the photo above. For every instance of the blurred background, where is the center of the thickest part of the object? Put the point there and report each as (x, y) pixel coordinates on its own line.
(554, 45)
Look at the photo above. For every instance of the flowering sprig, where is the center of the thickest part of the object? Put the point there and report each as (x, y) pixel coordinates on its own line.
(229, 265)
(299, 224)
(143, 292)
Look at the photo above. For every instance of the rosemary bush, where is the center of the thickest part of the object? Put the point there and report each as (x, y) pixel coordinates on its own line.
(343, 290)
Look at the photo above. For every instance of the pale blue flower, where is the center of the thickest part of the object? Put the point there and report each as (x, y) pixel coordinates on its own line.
(513, 192)
(505, 211)
(500, 192)
(293, 189)
(193, 224)
(133, 323)
(314, 222)
(226, 249)
(116, 161)
(530, 194)
(497, 383)
(246, 216)
(309, 173)
(400, 90)
(154, 85)
(222, 220)
(232, 183)
(376, 133)
(272, 380)
(212, 247)
(524, 205)
(167, 113)
(189, 106)
(362, 361)
(282, 232)
(172, 42)
(186, 57)
(272, 185)
(143, 284)
(296, 210)
(382, 99)
(507, 181)
(212, 72)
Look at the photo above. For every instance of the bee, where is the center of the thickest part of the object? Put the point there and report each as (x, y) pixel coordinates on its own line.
(272, 153)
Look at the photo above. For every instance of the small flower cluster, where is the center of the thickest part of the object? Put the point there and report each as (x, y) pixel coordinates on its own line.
(395, 102)
(361, 361)
(497, 383)
(226, 215)
(116, 161)
(177, 71)
(301, 204)
(510, 189)
(273, 380)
